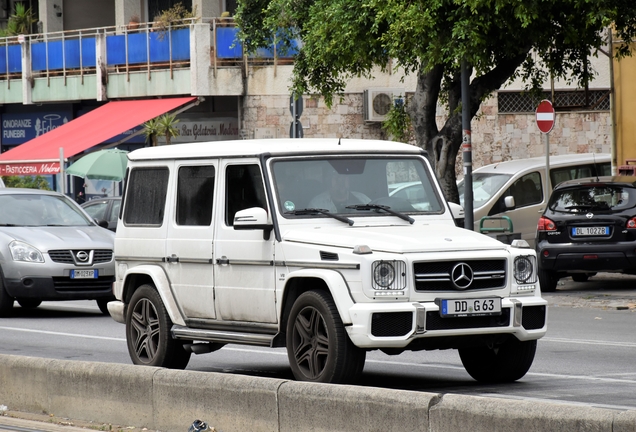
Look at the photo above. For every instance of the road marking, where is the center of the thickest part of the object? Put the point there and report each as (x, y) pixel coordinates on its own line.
(589, 342)
(64, 334)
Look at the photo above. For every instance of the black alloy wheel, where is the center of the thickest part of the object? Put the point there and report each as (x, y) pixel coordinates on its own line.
(148, 332)
(318, 347)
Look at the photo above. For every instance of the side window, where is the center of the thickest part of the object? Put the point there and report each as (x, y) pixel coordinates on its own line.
(195, 192)
(96, 211)
(146, 196)
(114, 211)
(527, 190)
(244, 189)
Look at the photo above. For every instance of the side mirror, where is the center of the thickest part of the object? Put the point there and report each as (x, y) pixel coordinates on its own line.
(254, 218)
(509, 202)
(458, 213)
(102, 223)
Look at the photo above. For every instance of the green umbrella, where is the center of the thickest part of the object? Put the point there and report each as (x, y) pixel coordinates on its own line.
(107, 164)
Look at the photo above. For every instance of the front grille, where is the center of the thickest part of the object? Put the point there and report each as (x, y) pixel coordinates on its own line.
(65, 285)
(533, 317)
(66, 256)
(435, 322)
(391, 324)
(438, 275)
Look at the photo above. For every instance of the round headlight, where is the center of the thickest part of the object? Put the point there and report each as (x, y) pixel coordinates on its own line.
(523, 269)
(384, 274)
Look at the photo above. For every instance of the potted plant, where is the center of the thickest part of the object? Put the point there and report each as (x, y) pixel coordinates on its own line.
(172, 18)
(21, 20)
(164, 126)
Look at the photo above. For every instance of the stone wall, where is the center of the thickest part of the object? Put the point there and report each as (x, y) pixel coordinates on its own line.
(495, 137)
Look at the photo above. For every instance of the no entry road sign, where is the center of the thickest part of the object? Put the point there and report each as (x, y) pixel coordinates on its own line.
(545, 116)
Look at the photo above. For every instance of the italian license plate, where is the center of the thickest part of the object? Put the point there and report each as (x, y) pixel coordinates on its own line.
(83, 274)
(590, 231)
(471, 307)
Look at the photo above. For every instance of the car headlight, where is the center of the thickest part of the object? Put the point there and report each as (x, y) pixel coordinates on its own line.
(21, 251)
(389, 275)
(524, 269)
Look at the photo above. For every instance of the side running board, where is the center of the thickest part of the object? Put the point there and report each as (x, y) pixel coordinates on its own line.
(222, 336)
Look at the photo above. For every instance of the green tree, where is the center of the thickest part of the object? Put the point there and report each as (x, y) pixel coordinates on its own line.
(499, 39)
(20, 21)
(151, 131)
(37, 182)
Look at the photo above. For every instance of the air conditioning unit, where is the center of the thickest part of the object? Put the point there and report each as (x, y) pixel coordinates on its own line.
(378, 101)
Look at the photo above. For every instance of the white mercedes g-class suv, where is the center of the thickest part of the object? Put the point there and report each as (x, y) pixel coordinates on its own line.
(329, 247)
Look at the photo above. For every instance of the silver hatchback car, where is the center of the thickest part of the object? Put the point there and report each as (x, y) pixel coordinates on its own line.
(50, 249)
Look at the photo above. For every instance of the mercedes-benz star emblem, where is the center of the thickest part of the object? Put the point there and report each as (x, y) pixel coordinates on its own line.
(462, 276)
(82, 256)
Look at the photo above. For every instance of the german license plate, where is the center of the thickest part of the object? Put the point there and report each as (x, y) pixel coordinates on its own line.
(590, 231)
(83, 274)
(471, 307)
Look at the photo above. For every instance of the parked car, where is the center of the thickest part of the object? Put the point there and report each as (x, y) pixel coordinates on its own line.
(277, 244)
(515, 188)
(104, 209)
(589, 226)
(50, 250)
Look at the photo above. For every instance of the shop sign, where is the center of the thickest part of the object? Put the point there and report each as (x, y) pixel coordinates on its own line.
(205, 129)
(23, 127)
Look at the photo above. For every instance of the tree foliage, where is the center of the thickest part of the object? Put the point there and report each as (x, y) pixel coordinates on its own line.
(499, 39)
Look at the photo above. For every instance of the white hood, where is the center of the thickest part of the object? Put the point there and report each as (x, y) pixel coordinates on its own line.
(397, 239)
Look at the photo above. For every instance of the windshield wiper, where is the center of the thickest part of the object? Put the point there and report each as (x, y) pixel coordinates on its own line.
(387, 209)
(308, 211)
(8, 225)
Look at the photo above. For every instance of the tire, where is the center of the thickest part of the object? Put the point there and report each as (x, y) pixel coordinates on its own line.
(580, 277)
(148, 332)
(548, 280)
(102, 304)
(6, 301)
(29, 303)
(318, 347)
(507, 362)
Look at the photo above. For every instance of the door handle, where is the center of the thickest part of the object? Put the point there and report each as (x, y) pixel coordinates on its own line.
(173, 259)
(223, 261)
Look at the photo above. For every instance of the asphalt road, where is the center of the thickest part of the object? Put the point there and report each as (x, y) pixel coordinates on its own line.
(586, 357)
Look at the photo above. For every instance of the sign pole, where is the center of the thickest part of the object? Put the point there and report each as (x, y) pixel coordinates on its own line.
(545, 122)
(467, 151)
(62, 179)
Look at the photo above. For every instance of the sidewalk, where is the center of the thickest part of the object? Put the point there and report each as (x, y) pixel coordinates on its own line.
(604, 291)
(22, 421)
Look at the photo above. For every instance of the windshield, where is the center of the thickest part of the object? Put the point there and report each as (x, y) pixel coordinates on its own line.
(40, 210)
(347, 185)
(597, 198)
(485, 186)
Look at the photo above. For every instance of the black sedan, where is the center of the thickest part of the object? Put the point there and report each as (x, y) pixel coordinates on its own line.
(104, 209)
(589, 226)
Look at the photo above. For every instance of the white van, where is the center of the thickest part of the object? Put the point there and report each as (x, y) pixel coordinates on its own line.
(516, 189)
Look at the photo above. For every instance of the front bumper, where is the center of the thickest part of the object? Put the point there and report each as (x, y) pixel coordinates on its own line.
(407, 325)
(60, 288)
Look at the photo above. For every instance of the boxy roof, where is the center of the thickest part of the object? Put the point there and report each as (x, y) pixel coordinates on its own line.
(284, 146)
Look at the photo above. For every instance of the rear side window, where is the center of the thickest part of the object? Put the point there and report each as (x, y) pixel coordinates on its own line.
(195, 191)
(146, 196)
(558, 175)
(593, 198)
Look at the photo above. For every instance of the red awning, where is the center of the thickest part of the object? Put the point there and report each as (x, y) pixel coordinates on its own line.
(41, 155)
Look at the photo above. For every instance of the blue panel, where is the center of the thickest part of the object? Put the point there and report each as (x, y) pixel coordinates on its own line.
(72, 54)
(55, 55)
(181, 44)
(15, 58)
(137, 50)
(159, 47)
(269, 52)
(115, 50)
(89, 58)
(227, 45)
(38, 56)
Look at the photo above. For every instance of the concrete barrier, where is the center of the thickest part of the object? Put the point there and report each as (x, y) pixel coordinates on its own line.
(168, 400)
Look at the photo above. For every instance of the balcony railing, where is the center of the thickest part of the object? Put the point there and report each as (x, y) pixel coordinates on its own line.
(143, 48)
